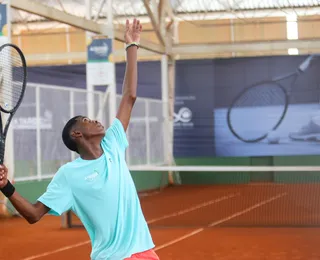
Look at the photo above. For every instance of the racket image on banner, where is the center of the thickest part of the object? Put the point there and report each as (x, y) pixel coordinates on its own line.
(258, 110)
(13, 77)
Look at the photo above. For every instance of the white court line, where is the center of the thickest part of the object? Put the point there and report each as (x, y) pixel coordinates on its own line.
(198, 206)
(57, 250)
(220, 221)
(173, 241)
(150, 221)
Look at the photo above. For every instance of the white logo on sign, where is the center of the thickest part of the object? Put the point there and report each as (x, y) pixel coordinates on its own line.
(100, 50)
(184, 115)
(29, 123)
(183, 118)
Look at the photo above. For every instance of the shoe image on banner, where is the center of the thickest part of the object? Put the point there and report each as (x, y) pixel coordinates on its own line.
(308, 132)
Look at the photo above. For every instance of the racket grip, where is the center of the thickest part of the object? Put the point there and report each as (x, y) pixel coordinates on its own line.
(2, 148)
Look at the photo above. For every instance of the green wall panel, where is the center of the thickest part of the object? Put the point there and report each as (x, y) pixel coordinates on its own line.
(296, 177)
(31, 190)
(214, 177)
(205, 161)
(149, 180)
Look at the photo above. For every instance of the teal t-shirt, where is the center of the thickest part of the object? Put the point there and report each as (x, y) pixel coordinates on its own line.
(102, 194)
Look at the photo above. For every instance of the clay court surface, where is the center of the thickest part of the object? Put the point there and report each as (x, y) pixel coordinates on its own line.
(192, 223)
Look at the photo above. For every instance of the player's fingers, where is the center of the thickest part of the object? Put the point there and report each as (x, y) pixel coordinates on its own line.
(138, 24)
(127, 25)
(140, 29)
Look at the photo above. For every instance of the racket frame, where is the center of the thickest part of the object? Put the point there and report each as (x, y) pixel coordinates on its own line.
(255, 140)
(4, 131)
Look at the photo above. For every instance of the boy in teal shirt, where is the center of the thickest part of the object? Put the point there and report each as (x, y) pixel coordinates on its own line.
(98, 186)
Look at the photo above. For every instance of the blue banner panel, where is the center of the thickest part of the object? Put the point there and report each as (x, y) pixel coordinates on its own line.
(280, 115)
(267, 106)
(99, 50)
(260, 106)
(193, 122)
(3, 17)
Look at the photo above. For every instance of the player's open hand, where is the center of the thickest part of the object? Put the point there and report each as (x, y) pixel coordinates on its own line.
(3, 176)
(133, 31)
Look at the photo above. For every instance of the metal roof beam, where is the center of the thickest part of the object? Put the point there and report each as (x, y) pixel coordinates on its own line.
(191, 49)
(220, 15)
(194, 50)
(78, 22)
(154, 18)
(248, 14)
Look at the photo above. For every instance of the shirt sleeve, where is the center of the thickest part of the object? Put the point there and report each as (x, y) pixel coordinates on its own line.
(58, 196)
(116, 133)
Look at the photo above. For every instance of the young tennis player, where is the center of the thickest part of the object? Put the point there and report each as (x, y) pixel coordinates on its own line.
(98, 186)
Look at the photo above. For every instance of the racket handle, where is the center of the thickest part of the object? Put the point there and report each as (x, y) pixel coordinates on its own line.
(304, 65)
(2, 148)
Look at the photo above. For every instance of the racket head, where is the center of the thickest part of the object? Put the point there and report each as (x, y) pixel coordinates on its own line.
(257, 110)
(13, 77)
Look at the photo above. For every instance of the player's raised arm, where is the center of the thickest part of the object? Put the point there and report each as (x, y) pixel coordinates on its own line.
(129, 91)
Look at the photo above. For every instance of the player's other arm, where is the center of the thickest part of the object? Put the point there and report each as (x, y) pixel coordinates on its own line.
(129, 91)
(31, 212)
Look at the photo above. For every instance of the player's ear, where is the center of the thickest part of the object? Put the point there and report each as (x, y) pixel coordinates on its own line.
(76, 134)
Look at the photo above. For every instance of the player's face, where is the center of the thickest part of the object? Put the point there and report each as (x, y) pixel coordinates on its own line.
(90, 127)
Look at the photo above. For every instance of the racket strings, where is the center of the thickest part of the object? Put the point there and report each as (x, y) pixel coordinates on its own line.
(11, 78)
(261, 96)
(257, 111)
(6, 92)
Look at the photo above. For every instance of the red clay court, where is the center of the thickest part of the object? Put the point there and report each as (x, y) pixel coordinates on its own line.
(256, 221)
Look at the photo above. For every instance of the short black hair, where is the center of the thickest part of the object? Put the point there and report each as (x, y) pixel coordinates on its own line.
(67, 140)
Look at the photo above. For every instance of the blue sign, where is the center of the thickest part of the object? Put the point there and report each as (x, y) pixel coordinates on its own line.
(3, 17)
(193, 128)
(209, 117)
(99, 50)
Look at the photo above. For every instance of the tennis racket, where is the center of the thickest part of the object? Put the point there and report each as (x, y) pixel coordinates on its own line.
(13, 77)
(260, 109)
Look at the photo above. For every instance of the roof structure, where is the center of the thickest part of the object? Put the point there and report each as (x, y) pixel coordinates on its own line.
(95, 15)
(186, 9)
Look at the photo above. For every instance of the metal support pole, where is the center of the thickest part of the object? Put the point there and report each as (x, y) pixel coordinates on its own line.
(68, 47)
(96, 18)
(171, 100)
(148, 139)
(90, 87)
(165, 109)
(72, 115)
(113, 91)
(38, 132)
(232, 34)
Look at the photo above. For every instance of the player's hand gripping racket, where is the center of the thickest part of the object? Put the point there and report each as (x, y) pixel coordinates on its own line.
(260, 109)
(13, 77)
